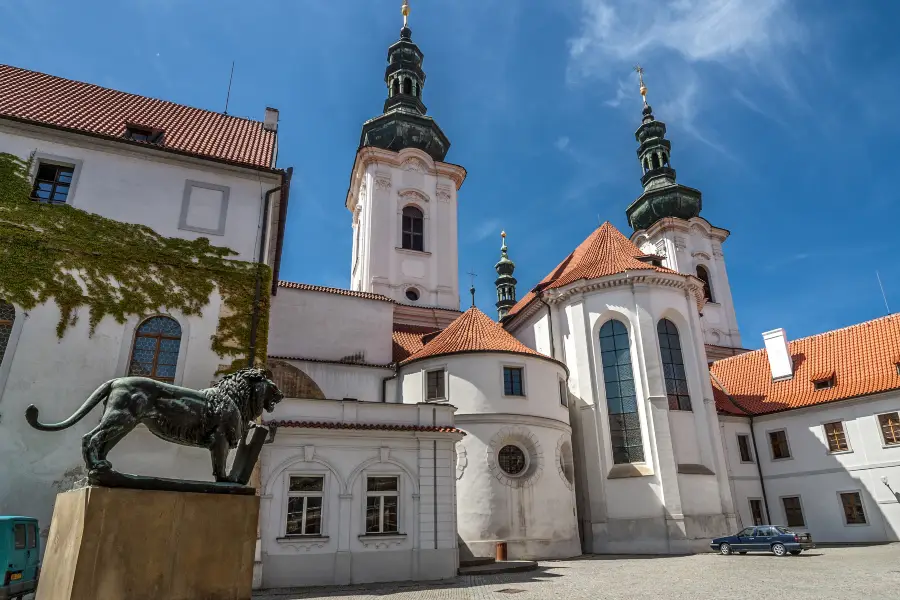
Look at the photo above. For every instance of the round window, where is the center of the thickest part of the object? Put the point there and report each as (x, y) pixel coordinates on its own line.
(412, 294)
(512, 460)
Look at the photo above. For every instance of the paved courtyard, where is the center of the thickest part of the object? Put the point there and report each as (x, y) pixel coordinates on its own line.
(869, 573)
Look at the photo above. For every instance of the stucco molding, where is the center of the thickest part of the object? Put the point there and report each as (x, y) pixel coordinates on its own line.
(513, 419)
(303, 458)
(412, 194)
(382, 541)
(444, 193)
(382, 459)
(565, 458)
(383, 182)
(189, 186)
(305, 544)
(462, 460)
(528, 442)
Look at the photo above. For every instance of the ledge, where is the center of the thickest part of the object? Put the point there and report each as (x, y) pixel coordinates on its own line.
(293, 539)
(413, 252)
(382, 540)
(691, 469)
(629, 470)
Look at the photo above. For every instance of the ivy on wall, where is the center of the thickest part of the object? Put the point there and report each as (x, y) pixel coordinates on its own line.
(78, 259)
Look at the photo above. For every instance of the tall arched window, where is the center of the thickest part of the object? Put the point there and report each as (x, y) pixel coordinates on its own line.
(7, 318)
(703, 275)
(395, 87)
(407, 86)
(413, 228)
(155, 352)
(621, 395)
(673, 366)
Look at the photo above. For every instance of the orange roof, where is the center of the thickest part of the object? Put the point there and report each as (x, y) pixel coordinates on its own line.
(408, 339)
(332, 290)
(862, 359)
(43, 99)
(605, 252)
(473, 331)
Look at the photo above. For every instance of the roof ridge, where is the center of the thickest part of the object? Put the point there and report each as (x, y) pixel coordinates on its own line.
(312, 287)
(102, 87)
(809, 337)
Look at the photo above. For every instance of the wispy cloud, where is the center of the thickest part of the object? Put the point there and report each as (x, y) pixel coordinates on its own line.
(562, 143)
(485, 229)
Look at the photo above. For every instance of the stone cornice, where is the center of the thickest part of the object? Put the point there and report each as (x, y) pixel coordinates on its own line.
(688, 283)
(681, 225)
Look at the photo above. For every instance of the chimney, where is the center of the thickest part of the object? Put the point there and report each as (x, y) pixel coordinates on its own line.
(271, 121)
(780, 361)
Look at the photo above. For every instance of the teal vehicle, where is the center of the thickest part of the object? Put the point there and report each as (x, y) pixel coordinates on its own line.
(20, 556)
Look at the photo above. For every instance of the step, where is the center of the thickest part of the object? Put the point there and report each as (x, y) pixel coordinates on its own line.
(506, 566)
(474, 562)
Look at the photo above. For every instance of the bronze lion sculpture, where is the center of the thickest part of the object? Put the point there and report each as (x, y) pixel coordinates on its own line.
(215, 418)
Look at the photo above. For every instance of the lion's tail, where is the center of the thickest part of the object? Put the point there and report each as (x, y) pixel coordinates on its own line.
(31, 413)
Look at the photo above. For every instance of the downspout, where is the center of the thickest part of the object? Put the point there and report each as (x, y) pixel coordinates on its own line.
(762, 483)
(540, 297)
(254, 319)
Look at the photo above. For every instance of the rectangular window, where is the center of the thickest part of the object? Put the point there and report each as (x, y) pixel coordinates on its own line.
(31, 532)
(563, 393)
(780, 448)
(382, 504)
(304, 514)
(744, 448)
(793, 513)
(512, 381)
(19, 534)
(435, 385)
(837, 439)
(890, 428)
(52, 183)
(756, 511)
(853, 508)
(823, 384)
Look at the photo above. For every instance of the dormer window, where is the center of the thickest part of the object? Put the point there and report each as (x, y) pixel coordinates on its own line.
(148, 135)
(824, 384)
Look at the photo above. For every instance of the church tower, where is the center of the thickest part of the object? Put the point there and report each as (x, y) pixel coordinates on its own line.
(666, 221)
(505, 282)
(403, 196)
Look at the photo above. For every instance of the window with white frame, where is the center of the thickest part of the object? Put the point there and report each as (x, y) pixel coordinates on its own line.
(779, 444)
(890, 428)
(52, 182)
(744, 448)
(435, 385)
(382, 504)
(512, 381)
(304, 513)
(836, 437)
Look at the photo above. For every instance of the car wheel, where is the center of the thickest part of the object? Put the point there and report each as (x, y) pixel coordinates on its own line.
(725, 549)
(796, 552)
(779, 549)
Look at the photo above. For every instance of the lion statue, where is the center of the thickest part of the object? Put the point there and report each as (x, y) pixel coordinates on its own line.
(216, 418)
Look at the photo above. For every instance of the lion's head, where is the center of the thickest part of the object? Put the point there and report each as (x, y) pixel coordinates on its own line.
(252, 389)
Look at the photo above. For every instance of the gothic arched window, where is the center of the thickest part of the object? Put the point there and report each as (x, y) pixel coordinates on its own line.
(673, 365)
(703, 275)
(7, 318)
(413, 229)
(621, 394)
(155, 351)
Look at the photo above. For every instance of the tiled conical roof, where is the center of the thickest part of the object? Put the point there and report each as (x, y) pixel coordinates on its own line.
(605, 252)
(473, 331)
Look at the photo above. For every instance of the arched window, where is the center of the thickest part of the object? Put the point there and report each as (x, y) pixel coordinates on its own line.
(673, 366)
(621, 395)
(395, 87)
(413, 227)
(654, 160)
(7, 318)
(155, 352)
(407, 86)
(703, 275)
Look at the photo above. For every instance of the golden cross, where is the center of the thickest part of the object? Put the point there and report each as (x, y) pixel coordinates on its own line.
(405, 10)
(640, 71)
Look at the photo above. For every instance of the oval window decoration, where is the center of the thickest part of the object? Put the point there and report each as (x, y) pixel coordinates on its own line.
(512, 460)
(412, 294)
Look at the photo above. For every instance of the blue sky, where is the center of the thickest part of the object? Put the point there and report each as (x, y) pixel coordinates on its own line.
(780, 112)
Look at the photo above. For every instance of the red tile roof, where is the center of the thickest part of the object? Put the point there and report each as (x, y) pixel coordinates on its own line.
(363, 426)
(862, 358)
(408, 340)
(83, 107)
(473, 331)
(605, 252)
(331, 290)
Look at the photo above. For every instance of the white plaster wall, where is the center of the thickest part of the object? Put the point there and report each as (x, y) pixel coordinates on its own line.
(342, 554)
(307, 324)
(382, 265)
(534, 332)
(143, 187)
(57, 376)
(339, 381)
(817, 476)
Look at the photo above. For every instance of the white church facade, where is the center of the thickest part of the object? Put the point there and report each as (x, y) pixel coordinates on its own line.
(609, 409)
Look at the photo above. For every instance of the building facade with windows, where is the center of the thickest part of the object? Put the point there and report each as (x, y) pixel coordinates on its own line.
(182, 172)
(812, 432)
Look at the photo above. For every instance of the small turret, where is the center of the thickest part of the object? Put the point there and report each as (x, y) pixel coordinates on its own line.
(506, 283)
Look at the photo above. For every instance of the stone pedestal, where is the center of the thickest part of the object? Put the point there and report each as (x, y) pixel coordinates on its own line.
(118, 544)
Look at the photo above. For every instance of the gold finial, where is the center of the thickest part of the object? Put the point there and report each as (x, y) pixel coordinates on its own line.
(405, 11)
(640, 71)
(503, 234)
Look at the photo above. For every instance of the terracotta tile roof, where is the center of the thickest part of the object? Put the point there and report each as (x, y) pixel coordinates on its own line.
(363, 426)
(473, 331)
(331, 290)
(862, 358)
(44, 99)
(605, 252)
(408, 340)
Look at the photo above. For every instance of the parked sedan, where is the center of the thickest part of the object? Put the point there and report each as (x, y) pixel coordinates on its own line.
(763, 538)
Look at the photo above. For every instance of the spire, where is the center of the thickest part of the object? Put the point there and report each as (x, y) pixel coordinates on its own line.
(404, 123)
(506, 283)
(662, 196)
(472, 277)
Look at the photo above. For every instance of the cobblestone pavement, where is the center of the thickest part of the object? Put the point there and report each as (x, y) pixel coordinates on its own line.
(867, 573)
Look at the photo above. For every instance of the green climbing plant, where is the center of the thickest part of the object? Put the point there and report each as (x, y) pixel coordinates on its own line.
(83, 261)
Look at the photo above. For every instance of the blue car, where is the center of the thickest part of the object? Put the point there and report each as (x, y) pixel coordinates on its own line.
(20, 554)
(763, 538)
